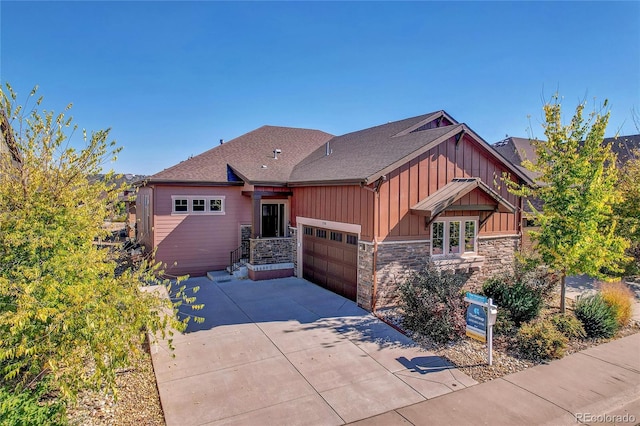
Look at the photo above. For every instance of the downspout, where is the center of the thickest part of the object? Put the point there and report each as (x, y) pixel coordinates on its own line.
(376, 219)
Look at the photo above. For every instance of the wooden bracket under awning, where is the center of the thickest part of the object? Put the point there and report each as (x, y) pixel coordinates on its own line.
(443, 199)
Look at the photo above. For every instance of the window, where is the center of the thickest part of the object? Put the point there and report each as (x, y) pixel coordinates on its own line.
(437, 238)
(215, 205)
(180, 205)
(469, 236)
(352, 239)
(308, 230)
(454, 236)
(336, 236)
(197, 205)
(321, 233)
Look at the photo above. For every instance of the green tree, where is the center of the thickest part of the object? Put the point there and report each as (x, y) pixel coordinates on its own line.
(67, 312)
(628, 210)
(576, 183)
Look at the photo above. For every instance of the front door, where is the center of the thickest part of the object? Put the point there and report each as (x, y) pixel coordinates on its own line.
(273, 220)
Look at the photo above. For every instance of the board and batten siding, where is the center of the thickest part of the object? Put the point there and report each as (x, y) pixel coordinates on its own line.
(198, 243)
(345, 204)
(424, 175)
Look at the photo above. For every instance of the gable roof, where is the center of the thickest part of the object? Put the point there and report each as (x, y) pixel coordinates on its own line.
(444, 198)
(366, 155)
(246, 155)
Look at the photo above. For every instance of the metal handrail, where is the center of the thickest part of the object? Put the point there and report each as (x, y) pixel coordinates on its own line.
(237, 255)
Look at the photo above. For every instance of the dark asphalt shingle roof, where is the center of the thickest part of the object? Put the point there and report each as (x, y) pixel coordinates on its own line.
(361, 155)
(517, 150)
(246, 155)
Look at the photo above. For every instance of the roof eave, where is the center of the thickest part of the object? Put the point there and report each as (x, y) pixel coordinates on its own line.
(336, 182)
(174, 182)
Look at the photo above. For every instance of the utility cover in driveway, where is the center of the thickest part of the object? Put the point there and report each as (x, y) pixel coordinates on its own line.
(330, 259)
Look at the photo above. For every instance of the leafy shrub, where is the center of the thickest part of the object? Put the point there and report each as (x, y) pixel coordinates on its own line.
(541, 340)
(597, 317)
(504, 324)
(26, 408)
(522, 292)
(522, 303)
(569, 325)
(433, 304)
(620, 298)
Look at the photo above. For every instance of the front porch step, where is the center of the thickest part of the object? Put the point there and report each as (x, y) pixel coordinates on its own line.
(219, 276)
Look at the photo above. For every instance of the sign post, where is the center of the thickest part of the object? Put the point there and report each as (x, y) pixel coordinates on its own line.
(481, 316)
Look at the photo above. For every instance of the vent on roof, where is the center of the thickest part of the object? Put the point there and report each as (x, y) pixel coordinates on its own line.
(327, 150)
(276, 152)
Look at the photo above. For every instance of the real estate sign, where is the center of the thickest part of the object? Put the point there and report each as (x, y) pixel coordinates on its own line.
(481, 315)
(477, 322)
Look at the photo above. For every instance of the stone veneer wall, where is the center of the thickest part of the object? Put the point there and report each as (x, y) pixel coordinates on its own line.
(396, 261)
(245, 233)
(499, 256)
(364, 297)
(268, 251)
(294, 249)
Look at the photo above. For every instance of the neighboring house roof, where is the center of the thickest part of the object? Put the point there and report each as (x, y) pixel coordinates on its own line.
(625, 147)
(517, 150)
(245, 157)
(368, 154)
(444, 198)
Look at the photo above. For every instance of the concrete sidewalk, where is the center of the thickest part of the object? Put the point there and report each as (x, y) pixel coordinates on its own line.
(597, 385)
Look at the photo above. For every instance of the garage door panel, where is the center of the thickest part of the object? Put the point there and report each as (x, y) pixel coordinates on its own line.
(329, 261)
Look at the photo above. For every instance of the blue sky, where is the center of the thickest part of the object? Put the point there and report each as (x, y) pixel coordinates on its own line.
(171, 79)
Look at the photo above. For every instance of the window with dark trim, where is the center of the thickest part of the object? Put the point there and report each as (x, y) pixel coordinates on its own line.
(352, 239)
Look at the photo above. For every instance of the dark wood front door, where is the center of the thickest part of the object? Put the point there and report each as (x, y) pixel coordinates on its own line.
(330, 259)
(273, 217)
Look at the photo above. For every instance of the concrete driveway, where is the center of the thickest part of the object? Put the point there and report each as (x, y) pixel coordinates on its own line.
(288, 352)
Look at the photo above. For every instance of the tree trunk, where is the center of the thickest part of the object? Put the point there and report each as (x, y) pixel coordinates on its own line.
(563, 291)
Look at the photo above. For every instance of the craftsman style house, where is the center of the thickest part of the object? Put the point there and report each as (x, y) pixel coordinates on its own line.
(352, 213)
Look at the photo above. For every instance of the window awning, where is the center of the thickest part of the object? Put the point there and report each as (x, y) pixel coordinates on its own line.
(444, 199)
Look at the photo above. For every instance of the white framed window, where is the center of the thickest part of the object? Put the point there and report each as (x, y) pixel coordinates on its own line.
(454, 236)
(197, 204)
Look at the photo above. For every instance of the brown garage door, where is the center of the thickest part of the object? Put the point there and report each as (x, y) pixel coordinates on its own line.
(330, 259)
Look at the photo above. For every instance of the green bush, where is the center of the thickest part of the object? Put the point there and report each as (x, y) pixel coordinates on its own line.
(433, 304)
(541, 340)
(504, 324)
(597, 317)
(569, 325)
(522, 292)
(522, 302)
(27, 408)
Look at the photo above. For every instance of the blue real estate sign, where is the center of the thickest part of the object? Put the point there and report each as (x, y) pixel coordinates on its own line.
(477, 322)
